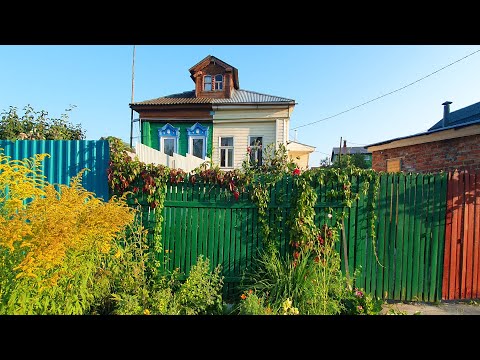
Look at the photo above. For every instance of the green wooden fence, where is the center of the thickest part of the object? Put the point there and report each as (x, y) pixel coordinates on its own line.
(205, 219)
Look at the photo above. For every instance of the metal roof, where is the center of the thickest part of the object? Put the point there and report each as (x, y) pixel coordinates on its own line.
(350, 150)
(238, 97)
(466, 116)
(461, 116)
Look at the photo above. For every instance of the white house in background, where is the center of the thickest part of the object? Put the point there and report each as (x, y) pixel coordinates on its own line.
(217, 119)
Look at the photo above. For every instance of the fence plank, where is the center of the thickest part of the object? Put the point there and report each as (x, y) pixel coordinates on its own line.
(416, 235)
(468, 234)
(392, 243)
(400, 251)
(458, 234)
(476, 241)
(381, 234)
(423, 236)
(447, 265)
(351, 227)
(435, 195)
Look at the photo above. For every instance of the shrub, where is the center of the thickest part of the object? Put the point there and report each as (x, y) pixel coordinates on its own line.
(52, 241)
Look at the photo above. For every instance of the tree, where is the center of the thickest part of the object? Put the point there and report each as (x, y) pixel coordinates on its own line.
(36, 125)
(357, 160)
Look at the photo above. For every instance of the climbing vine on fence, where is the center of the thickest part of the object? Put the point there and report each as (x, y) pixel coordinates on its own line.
(127, 174)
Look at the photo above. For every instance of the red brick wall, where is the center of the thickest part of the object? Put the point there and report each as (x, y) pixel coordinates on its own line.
(460, 153)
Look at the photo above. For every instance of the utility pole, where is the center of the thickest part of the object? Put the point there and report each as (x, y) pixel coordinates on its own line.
(133, 82)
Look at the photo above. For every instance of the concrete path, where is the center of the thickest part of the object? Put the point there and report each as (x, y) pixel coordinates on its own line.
(450, 308)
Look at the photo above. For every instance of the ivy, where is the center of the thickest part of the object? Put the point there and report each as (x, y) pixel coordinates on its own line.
(126, 174)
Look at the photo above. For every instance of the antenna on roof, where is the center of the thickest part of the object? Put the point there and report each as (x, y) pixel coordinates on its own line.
(131, 113)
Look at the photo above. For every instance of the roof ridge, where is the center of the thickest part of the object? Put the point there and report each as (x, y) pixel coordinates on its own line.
(256, 92)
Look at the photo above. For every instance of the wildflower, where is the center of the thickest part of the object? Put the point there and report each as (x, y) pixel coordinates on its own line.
(320, 240)
(236, 194)
(250, 291)
(317, 259)
(249, 149)
(146, 312)
(359, 308)
(358, 293)
(296, 254)
(294, 264)
(329, 216)
(136, 189)
(296, 172)
(243, 296)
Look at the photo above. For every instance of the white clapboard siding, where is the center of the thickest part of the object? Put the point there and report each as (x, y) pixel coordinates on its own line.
(240, 132)
(150, 155)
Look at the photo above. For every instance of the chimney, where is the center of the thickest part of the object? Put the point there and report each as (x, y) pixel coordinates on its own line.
(446, 113)
(344, 146)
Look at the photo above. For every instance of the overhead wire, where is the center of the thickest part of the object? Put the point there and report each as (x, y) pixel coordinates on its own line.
(391, 92)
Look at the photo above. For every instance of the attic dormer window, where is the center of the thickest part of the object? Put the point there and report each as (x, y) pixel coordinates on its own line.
(207, 83)
(219, 82)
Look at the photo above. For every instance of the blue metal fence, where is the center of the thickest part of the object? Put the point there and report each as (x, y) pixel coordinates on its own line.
(67, 158)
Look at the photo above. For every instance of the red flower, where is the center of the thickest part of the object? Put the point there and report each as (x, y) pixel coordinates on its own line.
(135, 189)
(236, 194)
(296, 172)
(296, 254)
(249, 149)
(317, 259)
(320, 240)
(243, 296)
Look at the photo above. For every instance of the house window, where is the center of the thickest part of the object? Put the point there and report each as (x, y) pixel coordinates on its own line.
(168, 139)
(226, 152)
(219, 82)
(255, 150)
(207, 83)
(197, 140)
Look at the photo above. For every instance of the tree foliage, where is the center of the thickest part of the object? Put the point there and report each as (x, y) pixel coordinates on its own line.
(37, 125)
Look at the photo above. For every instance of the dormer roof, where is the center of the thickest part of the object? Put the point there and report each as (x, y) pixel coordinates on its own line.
(212, 59)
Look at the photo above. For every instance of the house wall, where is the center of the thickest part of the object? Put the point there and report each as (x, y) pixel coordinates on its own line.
(299, 158)
(461, 153)
(240, 132)
(150, 135)
(242, 123)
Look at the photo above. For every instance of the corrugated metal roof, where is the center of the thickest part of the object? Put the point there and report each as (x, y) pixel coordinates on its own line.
(350, 150)
(460, 116)
(238, 97)
(466, 116)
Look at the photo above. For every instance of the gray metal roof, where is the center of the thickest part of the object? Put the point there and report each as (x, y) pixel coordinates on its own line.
(350, 150)
(461, 116)
(238, 97)
(469, 115)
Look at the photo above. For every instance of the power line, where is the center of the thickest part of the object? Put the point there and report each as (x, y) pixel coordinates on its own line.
(391, 92)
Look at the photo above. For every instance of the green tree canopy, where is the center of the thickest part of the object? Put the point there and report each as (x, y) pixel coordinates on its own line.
(37, 125)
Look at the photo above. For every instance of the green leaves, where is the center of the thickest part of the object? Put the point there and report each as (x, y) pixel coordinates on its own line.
(36, 125)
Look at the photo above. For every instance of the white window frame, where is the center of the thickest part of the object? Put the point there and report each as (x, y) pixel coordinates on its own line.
(262, 145)
(198, 131)
(162, 144)
(220, 147)
(211, 83)
(220, 82)
(190, 144)
(168, 131)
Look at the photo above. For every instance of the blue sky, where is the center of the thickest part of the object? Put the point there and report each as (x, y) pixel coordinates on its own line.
(323, 79)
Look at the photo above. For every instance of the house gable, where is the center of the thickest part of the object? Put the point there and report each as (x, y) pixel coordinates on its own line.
(214, 78)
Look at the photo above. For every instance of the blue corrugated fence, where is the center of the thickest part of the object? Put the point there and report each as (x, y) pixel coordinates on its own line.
(67, 158)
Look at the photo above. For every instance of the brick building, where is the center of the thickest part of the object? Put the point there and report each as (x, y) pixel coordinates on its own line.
(452, 143)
